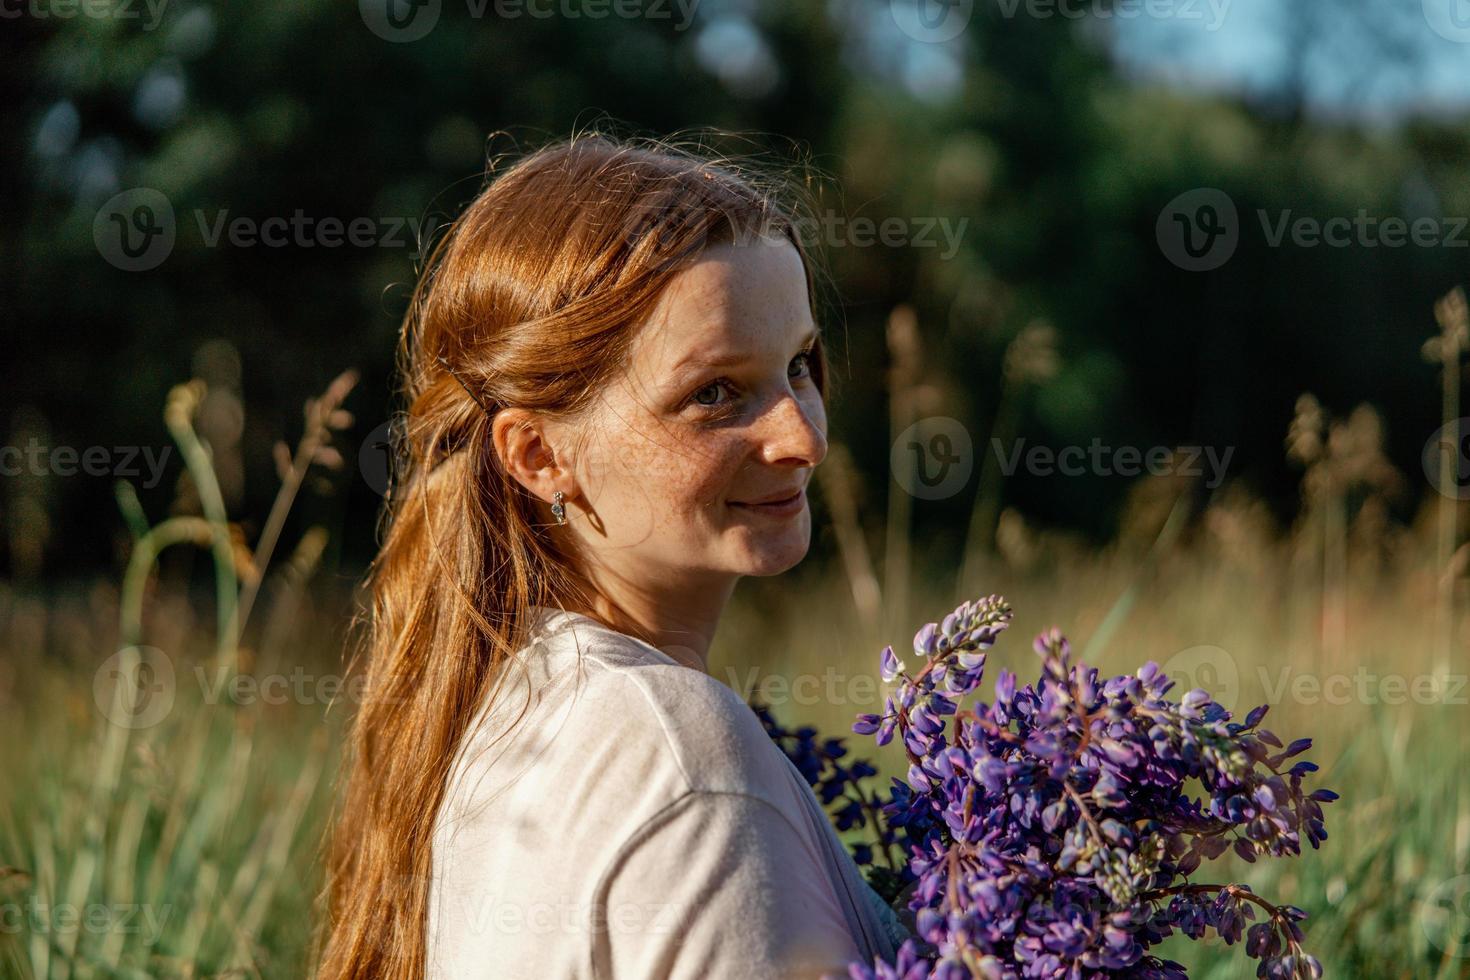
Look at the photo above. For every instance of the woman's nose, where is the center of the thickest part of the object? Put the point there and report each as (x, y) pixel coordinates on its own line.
(794, 433)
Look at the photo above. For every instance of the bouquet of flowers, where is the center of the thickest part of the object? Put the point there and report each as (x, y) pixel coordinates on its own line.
(1053, 832)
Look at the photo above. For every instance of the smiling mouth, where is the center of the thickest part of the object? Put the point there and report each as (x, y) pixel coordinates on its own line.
(791, 503)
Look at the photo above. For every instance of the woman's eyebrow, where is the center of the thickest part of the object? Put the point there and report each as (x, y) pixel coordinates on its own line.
(698, 360)
(730, 360)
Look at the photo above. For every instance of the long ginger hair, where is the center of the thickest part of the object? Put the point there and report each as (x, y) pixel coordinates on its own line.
(530, 299)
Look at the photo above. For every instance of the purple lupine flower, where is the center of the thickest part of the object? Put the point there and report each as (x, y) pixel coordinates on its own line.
(1049, 832)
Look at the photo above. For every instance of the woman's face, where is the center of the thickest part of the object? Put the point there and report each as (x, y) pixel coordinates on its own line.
(718, 409)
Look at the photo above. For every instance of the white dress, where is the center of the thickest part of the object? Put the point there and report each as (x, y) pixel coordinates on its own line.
(636, 823)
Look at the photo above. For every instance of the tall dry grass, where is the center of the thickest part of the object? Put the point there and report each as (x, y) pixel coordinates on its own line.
(202, 828)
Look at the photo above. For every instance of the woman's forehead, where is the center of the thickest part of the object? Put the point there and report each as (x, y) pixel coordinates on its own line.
(737, 301)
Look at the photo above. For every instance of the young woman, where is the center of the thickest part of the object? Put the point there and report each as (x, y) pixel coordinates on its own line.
(615, 401)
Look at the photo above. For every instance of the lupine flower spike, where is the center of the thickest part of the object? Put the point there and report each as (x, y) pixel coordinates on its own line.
(1058, 830)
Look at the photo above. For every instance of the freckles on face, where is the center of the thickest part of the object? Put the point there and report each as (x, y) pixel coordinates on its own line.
(644, 482)
(717, 405)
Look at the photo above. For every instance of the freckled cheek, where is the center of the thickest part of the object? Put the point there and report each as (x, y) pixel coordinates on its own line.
(651, 485)
(696, 478)
(695, 490)
(603, 472)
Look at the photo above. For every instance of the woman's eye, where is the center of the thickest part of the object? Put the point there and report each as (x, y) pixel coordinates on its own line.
(805, 357)
(709, 395)
(713, 386)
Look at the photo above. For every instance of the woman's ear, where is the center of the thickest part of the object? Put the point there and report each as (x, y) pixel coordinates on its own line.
(524, 443)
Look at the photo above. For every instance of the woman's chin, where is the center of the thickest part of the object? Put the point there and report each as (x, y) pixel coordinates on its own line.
(772, 556)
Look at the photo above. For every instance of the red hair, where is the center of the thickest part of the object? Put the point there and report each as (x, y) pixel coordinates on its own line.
(530, 299)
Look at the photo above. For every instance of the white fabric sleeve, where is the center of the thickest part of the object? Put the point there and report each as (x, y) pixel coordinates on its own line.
(720, 885)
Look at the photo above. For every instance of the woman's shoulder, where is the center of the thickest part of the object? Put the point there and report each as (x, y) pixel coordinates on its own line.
(592, 737)
(655, 709)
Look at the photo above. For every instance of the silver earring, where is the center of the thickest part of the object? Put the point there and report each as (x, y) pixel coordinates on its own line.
(558, 509)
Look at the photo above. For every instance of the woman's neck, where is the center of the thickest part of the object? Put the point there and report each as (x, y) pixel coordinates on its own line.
(682, 624)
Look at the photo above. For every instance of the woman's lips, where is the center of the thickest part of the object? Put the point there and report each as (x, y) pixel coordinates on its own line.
(780, 508)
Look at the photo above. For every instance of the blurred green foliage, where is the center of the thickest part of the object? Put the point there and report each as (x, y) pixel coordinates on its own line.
(1022, 127)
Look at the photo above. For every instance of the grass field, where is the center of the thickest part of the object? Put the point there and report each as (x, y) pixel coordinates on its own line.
(177, 835)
